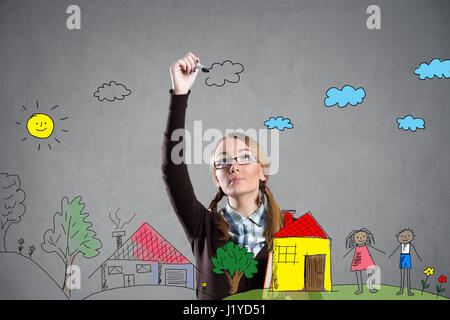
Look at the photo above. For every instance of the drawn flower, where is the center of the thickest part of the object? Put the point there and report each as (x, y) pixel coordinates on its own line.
(21, 242)
(31, 250)
(442, 279)
(428, 271)
(204, 287)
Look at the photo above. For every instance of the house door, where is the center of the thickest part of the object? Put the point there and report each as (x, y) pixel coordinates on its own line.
(128, 280)
(314, 272)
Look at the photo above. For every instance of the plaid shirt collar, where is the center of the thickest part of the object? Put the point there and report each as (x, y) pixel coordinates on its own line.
(257, 217)
(247, 232)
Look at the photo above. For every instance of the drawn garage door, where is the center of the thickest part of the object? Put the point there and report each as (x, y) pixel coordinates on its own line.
(176, 277)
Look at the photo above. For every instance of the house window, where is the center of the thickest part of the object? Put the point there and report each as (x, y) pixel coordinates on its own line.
(286, 254)
(143, 268)
(115, 270)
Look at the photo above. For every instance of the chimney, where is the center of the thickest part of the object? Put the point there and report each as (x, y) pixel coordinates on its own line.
(118, 235)
(288, 216)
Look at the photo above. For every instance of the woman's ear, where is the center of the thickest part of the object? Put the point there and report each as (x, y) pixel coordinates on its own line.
(262, 176)
(217, 182)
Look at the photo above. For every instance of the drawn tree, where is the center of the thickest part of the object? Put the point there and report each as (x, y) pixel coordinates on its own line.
(71, 235)
(11, 204)
(235, 262)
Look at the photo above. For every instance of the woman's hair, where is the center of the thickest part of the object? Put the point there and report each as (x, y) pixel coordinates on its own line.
(273, 211)
(350, 241)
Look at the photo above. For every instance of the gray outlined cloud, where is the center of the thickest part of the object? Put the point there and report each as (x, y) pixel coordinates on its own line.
(220, 73)
(111, 91)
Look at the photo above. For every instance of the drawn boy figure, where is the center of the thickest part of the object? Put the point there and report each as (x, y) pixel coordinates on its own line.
(405, 237)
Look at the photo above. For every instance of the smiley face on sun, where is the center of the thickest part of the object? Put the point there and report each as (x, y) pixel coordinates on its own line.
(42, 127)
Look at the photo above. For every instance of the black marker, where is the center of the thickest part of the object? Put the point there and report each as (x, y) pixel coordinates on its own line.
(202, 68)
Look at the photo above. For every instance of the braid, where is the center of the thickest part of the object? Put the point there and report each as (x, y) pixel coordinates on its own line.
(213, 205)
(274, 214)
(263, 191)
(222, 223)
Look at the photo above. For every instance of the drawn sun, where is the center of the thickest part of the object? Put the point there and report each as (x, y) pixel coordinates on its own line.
(42, 126)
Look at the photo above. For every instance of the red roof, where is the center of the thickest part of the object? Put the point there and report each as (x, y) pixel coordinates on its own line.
(148, 245)
(305, 226)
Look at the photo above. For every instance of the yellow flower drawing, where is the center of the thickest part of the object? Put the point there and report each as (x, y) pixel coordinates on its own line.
(429, 271)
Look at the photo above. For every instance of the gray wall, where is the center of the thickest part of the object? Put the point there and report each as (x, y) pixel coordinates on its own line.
(351, 167)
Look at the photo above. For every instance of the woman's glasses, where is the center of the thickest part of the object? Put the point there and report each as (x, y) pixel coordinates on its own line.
(228, 162)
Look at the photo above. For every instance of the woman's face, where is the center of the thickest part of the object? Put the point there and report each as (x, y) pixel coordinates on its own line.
(237, 179)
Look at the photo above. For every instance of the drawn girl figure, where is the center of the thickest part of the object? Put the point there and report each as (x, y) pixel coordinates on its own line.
(362, 260)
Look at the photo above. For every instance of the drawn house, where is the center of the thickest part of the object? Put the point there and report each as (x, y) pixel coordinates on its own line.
(146, 258)
(301, 256)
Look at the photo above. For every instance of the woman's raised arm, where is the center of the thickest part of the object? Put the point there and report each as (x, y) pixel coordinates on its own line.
(189, 210)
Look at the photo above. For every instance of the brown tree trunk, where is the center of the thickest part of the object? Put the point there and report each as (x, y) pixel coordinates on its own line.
(234, 280)
(3, 236)
(69, 263)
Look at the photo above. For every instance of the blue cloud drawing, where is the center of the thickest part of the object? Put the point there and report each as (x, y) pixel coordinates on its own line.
(348, 95)
(410, 123)
(436, 68)
(280, 123)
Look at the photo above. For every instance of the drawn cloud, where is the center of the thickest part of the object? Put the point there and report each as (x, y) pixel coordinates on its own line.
(111, 91)
(280, 123)
(436, 68)
(410, 123)
(348, 95)
(220, 73)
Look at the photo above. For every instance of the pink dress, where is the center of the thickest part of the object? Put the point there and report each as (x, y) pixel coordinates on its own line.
(362, 259)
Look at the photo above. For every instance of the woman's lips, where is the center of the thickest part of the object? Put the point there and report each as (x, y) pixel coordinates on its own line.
(234, 180)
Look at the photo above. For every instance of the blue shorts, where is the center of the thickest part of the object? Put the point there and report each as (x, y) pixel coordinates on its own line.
(405, 261)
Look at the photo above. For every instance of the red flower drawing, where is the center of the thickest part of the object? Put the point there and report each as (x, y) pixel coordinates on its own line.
(442, 279)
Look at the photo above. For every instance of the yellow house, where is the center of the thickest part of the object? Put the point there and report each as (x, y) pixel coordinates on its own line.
(301, 256)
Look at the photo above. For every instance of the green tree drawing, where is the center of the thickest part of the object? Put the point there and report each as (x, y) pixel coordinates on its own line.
(71, 235)
(235, 262)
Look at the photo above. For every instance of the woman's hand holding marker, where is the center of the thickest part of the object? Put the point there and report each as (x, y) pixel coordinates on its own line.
(183, 73)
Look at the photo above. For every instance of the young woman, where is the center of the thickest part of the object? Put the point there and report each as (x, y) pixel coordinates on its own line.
(240, 172)
(362, 260)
